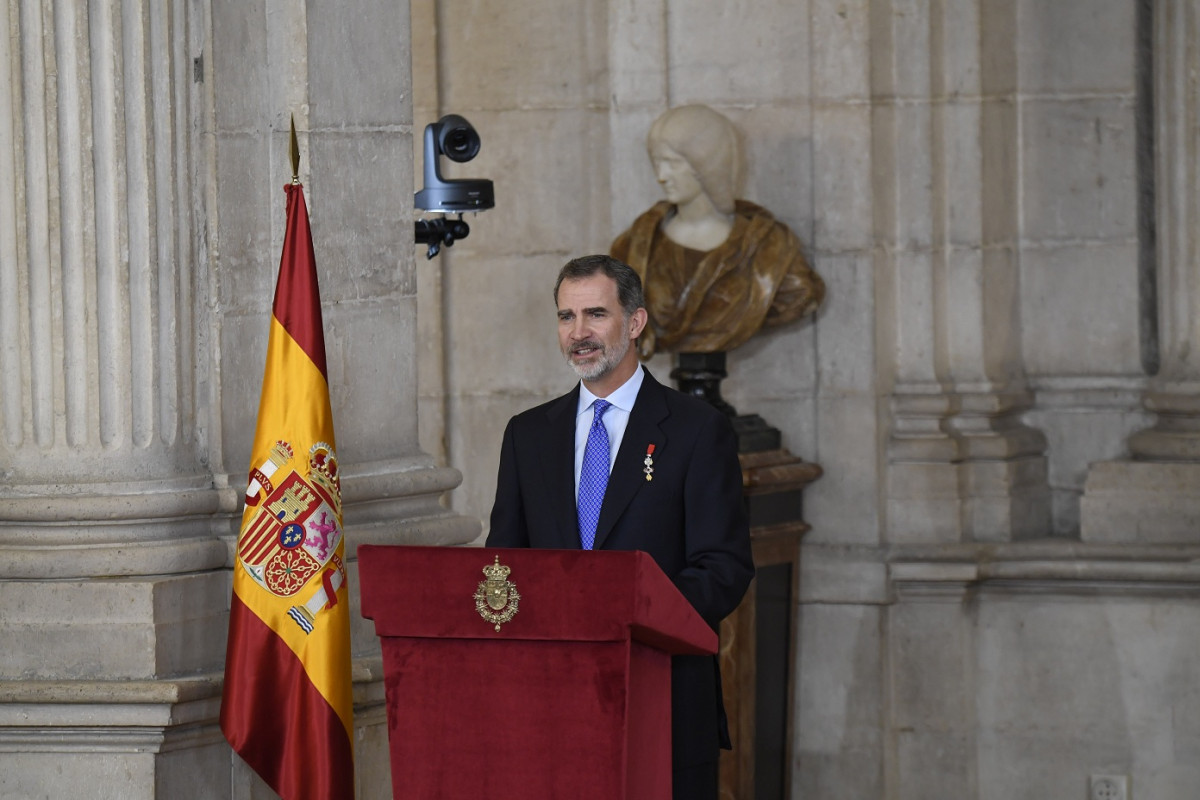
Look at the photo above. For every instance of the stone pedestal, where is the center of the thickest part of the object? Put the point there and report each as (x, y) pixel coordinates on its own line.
(758, 648)
(965, 468)
(1141, 501)
(1153, 497)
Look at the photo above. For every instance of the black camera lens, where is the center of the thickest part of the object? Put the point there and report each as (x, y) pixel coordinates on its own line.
(459, 142)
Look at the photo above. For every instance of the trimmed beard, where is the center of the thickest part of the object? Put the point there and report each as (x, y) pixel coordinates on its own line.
(608, 360)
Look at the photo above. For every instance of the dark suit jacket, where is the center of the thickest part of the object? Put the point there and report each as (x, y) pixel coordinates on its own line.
(689, 518)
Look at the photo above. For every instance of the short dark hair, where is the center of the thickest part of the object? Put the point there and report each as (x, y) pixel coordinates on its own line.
(629, 284)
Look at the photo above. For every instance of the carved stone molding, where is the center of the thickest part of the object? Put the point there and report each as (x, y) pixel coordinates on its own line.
(965, 467)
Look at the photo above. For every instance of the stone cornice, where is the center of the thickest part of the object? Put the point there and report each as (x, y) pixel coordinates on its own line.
(1048, 565)
(139, 715)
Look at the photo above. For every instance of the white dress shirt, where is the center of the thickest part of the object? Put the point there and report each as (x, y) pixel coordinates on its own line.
(615, 419)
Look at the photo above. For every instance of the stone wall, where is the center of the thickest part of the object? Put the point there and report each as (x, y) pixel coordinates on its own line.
(994, 192)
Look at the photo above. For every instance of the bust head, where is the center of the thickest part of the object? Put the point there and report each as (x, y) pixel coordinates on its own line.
(709, 142)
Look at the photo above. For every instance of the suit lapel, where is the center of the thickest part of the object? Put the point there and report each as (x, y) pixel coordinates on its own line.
(628, 476)
(558, 467)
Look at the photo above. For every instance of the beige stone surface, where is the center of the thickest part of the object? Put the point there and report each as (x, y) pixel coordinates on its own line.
(361, 78)
(1141, 502)
(1075, 47)
(111, 630)
(841, 52)
(517, 330)
(548, 199)
(245, 238)
(778, 138)
(1078, 171)
(1135, 654)
(844, 330)
(630, 165)
(841, 188)
(1094, 335)
(563, 55)
(843, 504)
(372, 378)
(776, 364)
(356, 218)
(1083, 426)
(478, 427)
(841, 743)
(924, 504)
(707, 48)
(109, 776)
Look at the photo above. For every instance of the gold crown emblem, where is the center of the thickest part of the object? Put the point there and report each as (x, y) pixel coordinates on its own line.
(496, 599)
(281, 452)
(497, 571)
(323, 469)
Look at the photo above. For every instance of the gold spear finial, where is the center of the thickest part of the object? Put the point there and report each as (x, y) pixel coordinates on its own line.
(295, 149)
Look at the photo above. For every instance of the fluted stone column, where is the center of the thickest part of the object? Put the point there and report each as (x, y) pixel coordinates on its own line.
(143, 150)
(103, 457)
(1152, 496)
(111, 576)
(961, 463)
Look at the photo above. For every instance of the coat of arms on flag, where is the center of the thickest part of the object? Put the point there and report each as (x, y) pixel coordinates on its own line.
(293, 532)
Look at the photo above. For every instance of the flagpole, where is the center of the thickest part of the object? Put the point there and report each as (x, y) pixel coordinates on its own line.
(295, 150)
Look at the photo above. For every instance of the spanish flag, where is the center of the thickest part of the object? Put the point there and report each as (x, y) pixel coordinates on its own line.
(287, 708)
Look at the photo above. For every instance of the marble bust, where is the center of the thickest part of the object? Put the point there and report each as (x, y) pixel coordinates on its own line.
(715, 269)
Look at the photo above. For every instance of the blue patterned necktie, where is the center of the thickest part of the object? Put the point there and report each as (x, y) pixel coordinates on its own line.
(593, 476)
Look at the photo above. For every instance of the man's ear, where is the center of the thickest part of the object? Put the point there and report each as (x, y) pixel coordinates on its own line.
(637, 323)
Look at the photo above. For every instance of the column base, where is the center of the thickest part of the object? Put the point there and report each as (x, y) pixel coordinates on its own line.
(980, 501)
(146, 740)
(964, 467)
(113, 628)
(108, 529)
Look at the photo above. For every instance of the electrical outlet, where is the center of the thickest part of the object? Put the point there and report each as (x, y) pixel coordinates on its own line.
(1108, 787)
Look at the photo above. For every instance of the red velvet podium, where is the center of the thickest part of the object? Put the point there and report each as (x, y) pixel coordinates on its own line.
(570, 699)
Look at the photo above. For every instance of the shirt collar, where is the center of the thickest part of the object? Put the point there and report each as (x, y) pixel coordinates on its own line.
(622, 398)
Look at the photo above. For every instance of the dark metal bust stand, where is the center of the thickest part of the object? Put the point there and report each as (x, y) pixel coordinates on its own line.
(700, 375)
(758, 647)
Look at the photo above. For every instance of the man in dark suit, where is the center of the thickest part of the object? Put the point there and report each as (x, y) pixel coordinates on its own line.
(659, 473)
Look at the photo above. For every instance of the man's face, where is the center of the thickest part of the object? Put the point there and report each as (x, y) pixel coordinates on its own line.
(593, 332)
